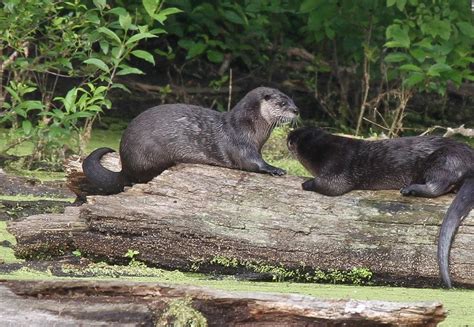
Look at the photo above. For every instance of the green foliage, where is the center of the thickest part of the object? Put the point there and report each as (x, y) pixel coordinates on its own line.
(43, 42)
(394, 48)
(432, 43)
(244, 30)
(356, 276)
(180, 313)
(102, 269)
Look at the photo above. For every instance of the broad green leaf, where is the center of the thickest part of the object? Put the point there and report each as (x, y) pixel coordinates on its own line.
(130, 70)
(436, 69)
(391, 2)
(65, 62)
(215, 56)
(117, 52)
(151, 6)
(157, 31)
(455, 76)
(119, 11)
(163, 14)
(100, 4)
(466, 29)
(58, 113)
(70, 99)
(195, 50)
(145, 55)
(398, 37)
(419, 54)
(401, 4)
(13, 93)
(120, 86)
(397, 57)
(109, 33)
(395, 44)
(233, 17)
(33, 105)
(410, 67)
(20, 112)
(437, 27)
(26, 126)
(98, 63)
(413, 79)
(104, 45)
(125, 21)
(425, 43)
(138, 37)
(185, 43)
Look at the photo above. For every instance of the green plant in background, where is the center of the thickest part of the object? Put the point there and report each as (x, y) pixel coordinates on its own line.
(42, 43)
(430, 44)
(389, 51)
(223, 30)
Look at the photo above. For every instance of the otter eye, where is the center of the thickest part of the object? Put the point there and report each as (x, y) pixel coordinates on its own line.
(267, 97)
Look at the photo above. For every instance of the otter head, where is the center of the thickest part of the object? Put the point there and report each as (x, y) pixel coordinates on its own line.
(275, 107)
(303, 144)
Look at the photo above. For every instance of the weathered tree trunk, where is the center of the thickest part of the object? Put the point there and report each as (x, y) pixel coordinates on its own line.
(191, 214)
(87, 303)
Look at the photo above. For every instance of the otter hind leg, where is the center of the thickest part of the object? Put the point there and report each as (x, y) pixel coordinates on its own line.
(430, 189)
(438, 181)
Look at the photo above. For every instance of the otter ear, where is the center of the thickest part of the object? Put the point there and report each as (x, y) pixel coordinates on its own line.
(267, 97)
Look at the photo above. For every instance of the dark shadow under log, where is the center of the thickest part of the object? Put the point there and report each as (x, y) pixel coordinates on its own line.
(192, 214)
(94, 303)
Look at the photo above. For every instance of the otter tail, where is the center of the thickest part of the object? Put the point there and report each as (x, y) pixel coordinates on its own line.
(459, 209)
(107, 181)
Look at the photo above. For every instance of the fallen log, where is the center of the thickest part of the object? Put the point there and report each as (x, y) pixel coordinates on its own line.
(47, 303)
(192, 215)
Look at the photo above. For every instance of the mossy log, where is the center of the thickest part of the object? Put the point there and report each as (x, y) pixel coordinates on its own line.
(191, 214)
(87, 303)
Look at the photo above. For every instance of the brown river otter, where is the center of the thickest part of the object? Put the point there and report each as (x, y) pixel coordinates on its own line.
(165, 135)
(426, 166)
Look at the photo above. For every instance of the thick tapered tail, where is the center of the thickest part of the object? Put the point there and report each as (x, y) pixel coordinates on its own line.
(106, 181)
(459, 209)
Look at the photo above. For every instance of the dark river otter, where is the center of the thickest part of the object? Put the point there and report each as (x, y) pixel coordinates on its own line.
(165, 135)
(426, 166)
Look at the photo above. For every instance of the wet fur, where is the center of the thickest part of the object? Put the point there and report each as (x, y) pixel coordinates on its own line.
(169, 134)
(426, 166)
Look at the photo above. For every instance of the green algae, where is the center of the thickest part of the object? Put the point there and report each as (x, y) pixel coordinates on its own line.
(30, 198)
(7, 254)
(458, 303)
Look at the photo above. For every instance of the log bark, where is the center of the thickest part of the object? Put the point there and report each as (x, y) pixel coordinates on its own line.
(92, 303)
(191, 214)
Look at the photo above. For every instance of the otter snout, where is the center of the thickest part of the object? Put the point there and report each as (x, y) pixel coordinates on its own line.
(294, 110)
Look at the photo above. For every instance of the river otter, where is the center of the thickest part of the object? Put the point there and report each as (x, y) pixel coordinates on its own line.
(426, 166)
(165, 135)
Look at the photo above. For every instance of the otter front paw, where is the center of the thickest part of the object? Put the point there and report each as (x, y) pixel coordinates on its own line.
(274, 171)
(407, 191)
(308, 185)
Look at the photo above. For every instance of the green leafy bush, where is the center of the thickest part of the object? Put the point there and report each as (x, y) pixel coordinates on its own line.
(43, 43)
(379, 55)
(244, 31)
